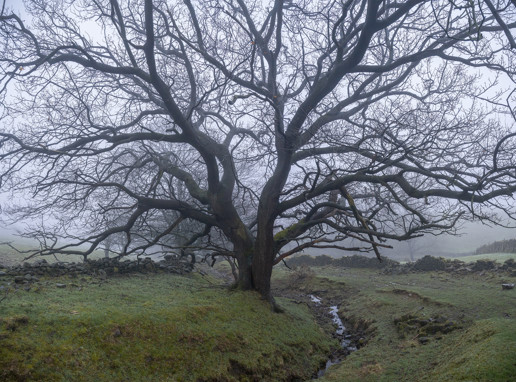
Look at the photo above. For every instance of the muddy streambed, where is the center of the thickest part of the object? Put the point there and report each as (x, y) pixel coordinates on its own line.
(347, 343)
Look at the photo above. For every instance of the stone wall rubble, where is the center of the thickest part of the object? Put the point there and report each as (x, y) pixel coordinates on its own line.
(101, 268)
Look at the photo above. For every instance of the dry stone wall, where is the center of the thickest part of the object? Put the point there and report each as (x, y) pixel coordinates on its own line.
(101, 268)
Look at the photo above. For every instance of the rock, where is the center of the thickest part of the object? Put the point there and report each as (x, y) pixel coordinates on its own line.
(102, 268)
(59, 285)
(40, 262)
(429, 263)
(463, 270)
(509, 264)
(483, 265)
(507, 286)
(424, 340)
(19, 279)
(102, 274)
(149, 266)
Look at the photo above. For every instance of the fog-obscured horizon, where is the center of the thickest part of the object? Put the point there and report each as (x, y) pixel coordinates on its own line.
(471, 236)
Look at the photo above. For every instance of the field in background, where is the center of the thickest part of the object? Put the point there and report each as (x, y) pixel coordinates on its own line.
(9, 256)
(498, 257)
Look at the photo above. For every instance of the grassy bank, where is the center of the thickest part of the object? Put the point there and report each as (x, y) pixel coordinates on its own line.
(424, 326)
(430, 326)
(153, 328)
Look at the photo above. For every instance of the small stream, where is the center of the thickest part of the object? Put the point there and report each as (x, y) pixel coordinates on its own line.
(341, 333)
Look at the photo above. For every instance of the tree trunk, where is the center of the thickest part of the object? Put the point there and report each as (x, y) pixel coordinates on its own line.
(262, 272)
(263, 262)
(245, 276)
(254, 273)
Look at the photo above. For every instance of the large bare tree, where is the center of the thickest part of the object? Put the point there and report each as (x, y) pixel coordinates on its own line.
(274, 125)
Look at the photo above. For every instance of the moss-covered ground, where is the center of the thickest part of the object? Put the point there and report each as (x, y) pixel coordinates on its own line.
(154, 328)
(431, 326)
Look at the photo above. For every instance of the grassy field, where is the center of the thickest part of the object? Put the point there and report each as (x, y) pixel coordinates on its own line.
(154, 328)
(432, 326)
(9, 256)
(498, 257)
(470, 335)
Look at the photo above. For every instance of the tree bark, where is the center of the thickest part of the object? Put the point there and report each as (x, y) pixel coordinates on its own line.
(263, 259)
(245, 276)
(255, 270)
(262, 272)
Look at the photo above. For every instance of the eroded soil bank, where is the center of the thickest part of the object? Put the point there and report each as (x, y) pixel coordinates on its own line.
(424, 326)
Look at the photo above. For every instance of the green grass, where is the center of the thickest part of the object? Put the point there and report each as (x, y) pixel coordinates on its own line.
(481, 348)
(154, 328)
(486, 351)
(9, 256)
(498, 257)
(191, 328)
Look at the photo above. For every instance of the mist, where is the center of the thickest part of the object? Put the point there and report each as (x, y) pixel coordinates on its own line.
(470, 236)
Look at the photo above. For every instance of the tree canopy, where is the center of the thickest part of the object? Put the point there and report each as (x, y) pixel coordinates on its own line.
(256, 129)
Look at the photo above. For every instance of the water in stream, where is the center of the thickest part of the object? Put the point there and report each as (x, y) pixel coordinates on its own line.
(341, 333)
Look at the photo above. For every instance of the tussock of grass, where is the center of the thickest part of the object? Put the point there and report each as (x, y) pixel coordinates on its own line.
(155, 328)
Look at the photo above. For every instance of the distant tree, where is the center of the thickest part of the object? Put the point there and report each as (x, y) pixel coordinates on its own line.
(287, 124)
(418, 247)
(503, 246)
